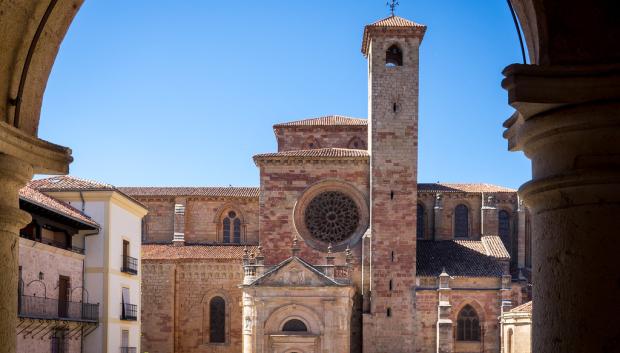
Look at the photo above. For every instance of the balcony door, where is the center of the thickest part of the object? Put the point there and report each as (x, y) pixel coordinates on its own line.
(63, 296)
(125, 341)
(125, 254)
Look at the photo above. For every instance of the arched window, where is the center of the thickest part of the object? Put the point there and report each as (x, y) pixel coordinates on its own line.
(231, 225)
(237, 231)
(393, 56)
(357, 143)
(468, 325)
(503, 223)
(217, 320)
(294, 325)
(461, 221)
(420, 222)
(509, 339)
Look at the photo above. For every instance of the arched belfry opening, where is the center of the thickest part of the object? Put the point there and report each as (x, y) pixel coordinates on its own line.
(393, 56)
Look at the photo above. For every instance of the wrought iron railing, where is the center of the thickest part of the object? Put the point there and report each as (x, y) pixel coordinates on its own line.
(130, 265)
(128, 349)
(129, 312)
(54, 309)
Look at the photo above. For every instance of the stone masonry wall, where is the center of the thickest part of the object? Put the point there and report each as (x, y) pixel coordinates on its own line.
(281, 187)
(300, 138)
(486, 302)
(51, 262)
(444, 225)
(175, 304)
(393, 145)
(201, 218)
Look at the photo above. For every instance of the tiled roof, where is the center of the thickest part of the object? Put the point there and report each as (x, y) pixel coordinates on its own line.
(460, 258)
(35, 197)
(318, 153)
(395, 22)
(329, 120)
(523, 308)
(495, 247)
(69, 183)
(172, 252)
(473, 187)
(232, 192)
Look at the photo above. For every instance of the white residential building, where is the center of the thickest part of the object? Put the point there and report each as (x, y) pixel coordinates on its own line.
(112, 265)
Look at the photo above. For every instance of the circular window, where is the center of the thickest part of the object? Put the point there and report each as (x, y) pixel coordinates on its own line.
(331, 217)
(232, 214)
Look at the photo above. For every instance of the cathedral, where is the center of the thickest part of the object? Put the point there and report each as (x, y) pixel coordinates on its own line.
(339, 249)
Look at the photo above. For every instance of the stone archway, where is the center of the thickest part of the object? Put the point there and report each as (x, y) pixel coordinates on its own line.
(567, 123)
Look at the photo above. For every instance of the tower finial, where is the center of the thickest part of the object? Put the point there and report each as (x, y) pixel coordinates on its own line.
(392, 4)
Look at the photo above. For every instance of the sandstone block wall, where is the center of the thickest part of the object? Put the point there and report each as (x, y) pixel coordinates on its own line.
(202, 219)
(485, 301)
(51, 262)
(309, 137)
(175, 304)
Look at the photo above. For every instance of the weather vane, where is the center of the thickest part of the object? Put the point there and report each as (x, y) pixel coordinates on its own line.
(392, 4)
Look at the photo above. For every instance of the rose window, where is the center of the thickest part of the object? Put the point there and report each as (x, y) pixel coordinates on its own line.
(331, 217)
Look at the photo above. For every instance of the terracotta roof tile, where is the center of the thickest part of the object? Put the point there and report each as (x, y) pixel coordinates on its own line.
(319, 153)
(460, 258)
(523, 308)
(391, 22)
(172, 252)
(495, 247)
(472, 187)
(30, 195)
(329, 120)
(395, 21)
(69, 183)
(225, 192)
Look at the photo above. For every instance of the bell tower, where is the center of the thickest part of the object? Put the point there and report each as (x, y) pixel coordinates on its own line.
(391, 46)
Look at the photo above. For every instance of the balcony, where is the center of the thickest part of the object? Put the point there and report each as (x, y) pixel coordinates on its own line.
(129, 312)
(130, 265)
(56, 244)
(128, 349)
(54, 309)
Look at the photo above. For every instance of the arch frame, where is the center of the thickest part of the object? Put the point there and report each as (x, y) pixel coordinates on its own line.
(205, 303)
(222, 213)
(339, 185)
(469, 219)
(480, 312)
(278, 317)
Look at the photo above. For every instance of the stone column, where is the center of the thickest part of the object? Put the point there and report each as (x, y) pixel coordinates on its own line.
(568, 124)
(14, 174)
(521, 214)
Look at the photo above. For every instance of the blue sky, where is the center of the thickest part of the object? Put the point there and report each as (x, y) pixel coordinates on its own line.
(185, 92)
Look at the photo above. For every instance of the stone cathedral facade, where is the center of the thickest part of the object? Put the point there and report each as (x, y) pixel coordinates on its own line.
(339, 249)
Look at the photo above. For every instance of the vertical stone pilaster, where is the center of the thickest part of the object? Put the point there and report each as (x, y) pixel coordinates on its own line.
(179, 221)
(14, 174)
(438, 217)
(445, 340)
(488, 213)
